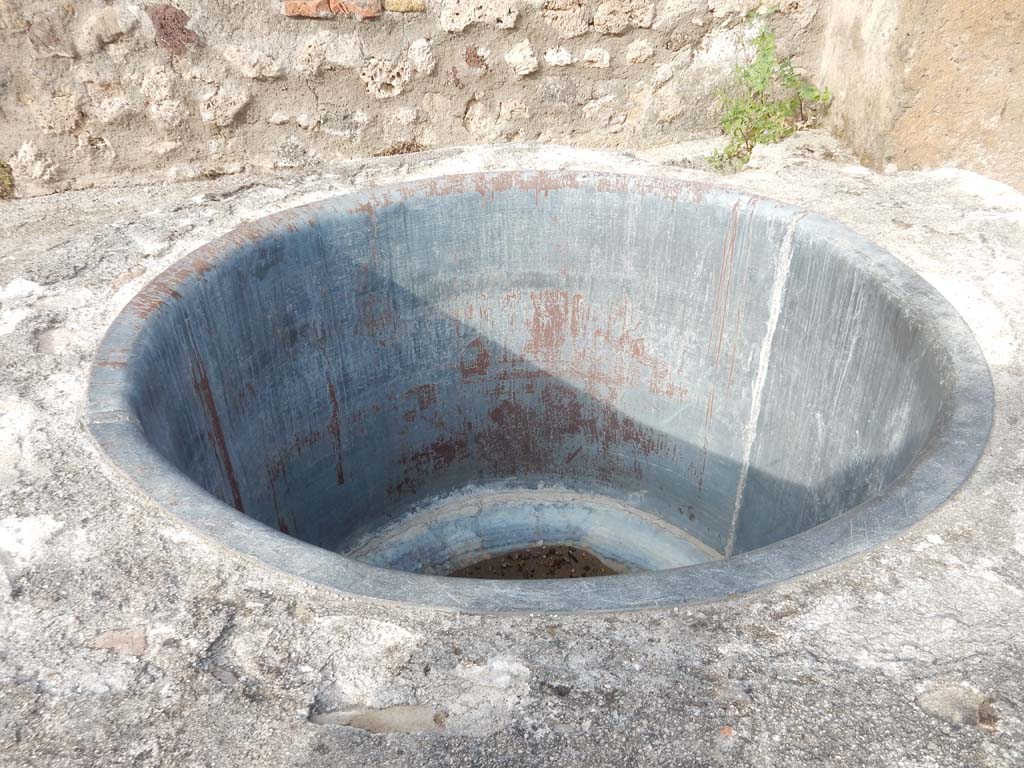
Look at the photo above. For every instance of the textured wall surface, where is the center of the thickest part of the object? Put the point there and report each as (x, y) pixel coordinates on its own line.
(92, 90)
(922, 84)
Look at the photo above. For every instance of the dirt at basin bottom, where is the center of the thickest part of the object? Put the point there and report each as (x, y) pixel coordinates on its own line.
(544, 562)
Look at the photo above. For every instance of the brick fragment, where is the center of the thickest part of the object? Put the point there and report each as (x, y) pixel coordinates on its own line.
(310, 9)
(169, 24)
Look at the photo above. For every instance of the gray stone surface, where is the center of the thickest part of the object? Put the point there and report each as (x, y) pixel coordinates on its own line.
(127, 640)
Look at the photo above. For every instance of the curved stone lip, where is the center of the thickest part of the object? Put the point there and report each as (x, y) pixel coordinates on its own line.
(944, 464)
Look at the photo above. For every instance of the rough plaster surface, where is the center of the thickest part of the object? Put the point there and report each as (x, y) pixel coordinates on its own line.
(129, 641)
(920, 84)
(93, 90)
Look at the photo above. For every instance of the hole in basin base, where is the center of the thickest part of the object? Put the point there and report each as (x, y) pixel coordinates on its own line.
(559, 561)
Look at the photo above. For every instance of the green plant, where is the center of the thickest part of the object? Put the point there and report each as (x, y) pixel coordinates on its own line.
(772, 103)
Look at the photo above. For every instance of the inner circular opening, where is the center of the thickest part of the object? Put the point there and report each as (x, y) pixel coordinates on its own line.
(434, 378)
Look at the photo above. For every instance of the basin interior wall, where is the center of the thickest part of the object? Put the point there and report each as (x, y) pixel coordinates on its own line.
(426, 376)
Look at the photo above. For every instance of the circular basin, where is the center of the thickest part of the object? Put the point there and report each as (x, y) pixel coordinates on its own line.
(710, 392)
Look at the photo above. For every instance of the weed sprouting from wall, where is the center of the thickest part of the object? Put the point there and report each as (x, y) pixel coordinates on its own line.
(771, 102)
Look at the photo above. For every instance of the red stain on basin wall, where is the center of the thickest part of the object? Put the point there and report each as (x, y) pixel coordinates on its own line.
(425, 394)
(580, 342)
(723, 284)
(478, 360)
(201, 382)
(418, 465)
(556, 315)
(552, 407)
(377, 316)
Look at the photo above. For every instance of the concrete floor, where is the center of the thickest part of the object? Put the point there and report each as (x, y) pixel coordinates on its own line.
(126, 640)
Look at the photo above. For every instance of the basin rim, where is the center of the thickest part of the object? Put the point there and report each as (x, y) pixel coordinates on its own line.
(944, 464)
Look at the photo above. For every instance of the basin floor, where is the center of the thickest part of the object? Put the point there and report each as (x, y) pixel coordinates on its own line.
(547, 562)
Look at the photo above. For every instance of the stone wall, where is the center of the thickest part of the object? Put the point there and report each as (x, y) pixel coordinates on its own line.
(93, 91)
(920, 83)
